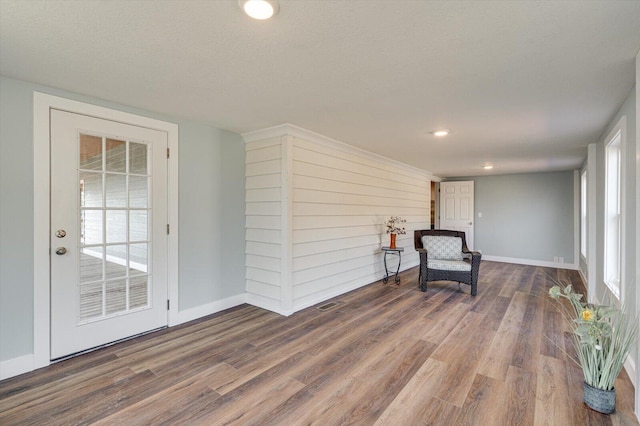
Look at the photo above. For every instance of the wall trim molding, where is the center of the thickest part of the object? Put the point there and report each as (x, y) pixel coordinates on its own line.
(210, 308)
(531, 262)
(630, 368)
(16, 366)
(302, 133)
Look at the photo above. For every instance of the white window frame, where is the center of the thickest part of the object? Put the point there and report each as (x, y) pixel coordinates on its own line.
(613, 265)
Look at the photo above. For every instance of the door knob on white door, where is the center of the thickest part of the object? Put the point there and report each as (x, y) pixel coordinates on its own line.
(470, 223)
(60, 251)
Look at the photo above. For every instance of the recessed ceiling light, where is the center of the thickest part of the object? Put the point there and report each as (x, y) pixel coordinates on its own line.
(259, 9)
(488, 166)
(440, 132)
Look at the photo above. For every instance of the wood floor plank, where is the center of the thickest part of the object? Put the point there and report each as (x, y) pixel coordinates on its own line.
(553, 403)
(403, 409)
(484, 403)
(387, 354)
(521, 394)
(497, 359)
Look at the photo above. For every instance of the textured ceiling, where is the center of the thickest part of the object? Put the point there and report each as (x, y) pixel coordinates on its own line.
(525, 85)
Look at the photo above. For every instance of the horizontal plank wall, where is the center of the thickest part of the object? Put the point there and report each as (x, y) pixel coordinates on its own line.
(334, 199)
(263, 195)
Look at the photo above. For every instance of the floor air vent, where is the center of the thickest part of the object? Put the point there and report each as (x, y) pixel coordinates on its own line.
(328, 306)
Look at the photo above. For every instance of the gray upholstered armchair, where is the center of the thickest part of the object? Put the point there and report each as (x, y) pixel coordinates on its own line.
(444, 256)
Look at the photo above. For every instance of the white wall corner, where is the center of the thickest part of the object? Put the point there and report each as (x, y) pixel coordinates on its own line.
(286, 220)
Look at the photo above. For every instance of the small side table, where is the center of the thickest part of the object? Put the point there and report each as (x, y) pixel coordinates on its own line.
(395, 251)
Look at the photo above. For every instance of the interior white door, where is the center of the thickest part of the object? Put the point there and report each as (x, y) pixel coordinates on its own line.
(456, 208)
(108, 231)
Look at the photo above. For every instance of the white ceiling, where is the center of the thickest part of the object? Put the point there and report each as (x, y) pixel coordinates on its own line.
(525, 85)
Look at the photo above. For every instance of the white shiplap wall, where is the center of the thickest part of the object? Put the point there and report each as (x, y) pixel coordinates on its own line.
(325, 240)
(264, 223)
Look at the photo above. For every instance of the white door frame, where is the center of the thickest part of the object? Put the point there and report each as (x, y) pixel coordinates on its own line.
(42, 103)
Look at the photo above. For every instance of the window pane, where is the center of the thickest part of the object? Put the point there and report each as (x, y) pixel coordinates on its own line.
(90, 227)
(90, 189)
(138, 192)
(116, 156)
(138, 225)
(137, 158)
(138, 291)
(116, 265)
(116, 226)
(90, 152)
(116, 187)
(90, 301)
(116, 296)
(91, 264)
(138, 255)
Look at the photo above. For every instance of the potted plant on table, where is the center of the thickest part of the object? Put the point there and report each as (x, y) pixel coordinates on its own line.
(603, 337)
(394, 227)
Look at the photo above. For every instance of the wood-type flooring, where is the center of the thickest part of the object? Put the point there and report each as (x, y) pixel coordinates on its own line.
(386, 355)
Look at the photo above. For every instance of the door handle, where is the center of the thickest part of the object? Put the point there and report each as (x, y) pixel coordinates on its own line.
(60, 251)
(470, 223)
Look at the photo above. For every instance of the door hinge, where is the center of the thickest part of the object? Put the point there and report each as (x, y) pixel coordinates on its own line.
(168, 153)
(168, 229)
(168, 304)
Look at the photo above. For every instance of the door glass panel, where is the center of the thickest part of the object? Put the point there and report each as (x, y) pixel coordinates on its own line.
(116, 226)
(116, 156)
(114, 222)
(138, 291)
(90, 152)
(138, 192)
(138, 258)
(116, 189)
(91, 227)
(137, 158)
(138, 225)
(116, 265)
(91, 264)
(90, 189)
(116, 296)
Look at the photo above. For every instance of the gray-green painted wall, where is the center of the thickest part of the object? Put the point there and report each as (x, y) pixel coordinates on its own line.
(211, 205)
(524, 216)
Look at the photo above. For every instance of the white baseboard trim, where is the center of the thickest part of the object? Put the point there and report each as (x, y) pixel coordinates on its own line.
(630, 368)
(313, 299)
(208, 309)
(584, 277)
(267, 303)
(24, 364)
(530, 262)
(16, 366)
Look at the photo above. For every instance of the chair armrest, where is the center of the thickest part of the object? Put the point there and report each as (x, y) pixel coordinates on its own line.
(475, 256)
(421, 250)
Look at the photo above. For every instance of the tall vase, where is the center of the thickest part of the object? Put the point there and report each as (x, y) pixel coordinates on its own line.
(392, 244)
(603, 401)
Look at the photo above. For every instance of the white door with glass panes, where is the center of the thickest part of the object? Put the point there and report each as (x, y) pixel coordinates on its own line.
(108, 231)
(456, 208)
